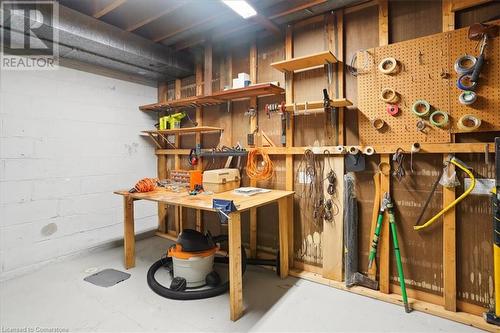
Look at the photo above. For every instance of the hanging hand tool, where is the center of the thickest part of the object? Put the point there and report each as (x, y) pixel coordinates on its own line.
(481, 32)
(493, 316)
(332, 110)
(378, 228)
(284, 122)
(372, 271)
(392, 223)
(461, 165)
(351, 219)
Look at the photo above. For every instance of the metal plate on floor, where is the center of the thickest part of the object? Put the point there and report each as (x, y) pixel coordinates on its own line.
(107, 277)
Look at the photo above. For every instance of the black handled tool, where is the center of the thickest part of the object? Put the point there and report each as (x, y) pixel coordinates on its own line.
(480, 60)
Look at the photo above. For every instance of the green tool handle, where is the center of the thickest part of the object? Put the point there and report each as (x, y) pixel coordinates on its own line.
(373, 250)
(392, 223)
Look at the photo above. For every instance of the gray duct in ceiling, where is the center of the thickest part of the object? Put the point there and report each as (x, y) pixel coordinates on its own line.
(83, 38)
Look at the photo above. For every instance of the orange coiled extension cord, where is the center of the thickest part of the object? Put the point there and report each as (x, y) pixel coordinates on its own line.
(255, 172)
(145, 185)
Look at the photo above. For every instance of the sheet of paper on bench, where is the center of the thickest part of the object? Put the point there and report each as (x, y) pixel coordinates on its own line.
(248, 191)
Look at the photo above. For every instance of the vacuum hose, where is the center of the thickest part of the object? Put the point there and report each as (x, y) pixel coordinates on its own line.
(189, 295)
(202, 293)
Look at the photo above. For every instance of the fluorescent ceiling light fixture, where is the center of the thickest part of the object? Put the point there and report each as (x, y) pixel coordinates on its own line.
(241, 7)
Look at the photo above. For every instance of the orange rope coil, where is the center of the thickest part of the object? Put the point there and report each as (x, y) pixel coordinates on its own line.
(266, 169)
(145, 185)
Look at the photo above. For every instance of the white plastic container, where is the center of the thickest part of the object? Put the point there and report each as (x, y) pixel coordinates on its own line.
(194, 270)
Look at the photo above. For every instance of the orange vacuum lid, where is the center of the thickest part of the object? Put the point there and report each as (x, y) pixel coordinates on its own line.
(176, 251)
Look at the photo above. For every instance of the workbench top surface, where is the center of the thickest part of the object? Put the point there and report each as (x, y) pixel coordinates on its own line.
(204, 201)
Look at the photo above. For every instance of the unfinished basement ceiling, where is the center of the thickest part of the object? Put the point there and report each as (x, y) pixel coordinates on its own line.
(181, 24)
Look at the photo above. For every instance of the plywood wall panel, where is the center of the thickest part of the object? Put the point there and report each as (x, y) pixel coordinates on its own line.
(269, 50)
(474, 239)
(361, 32)
(310, 38)
(240, 60)
(483, 13)
(307, 233)
(413, 19)
(421, 251)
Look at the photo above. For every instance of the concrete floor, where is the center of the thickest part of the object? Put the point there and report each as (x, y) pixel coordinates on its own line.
(57, 297)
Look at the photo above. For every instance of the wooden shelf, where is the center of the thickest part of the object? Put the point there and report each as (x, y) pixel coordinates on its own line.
(341, 102)
(304, 62)
(186, 130)
(217, 98)
(250, 91)
(426, 148)
(193, 101)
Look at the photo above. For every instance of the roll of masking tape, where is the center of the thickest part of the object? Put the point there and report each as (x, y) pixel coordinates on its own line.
(469, 123)
(439, 123)
(353, 150)
(378, 124)
(421, 108)
(368, 150)
(388, 66)
(415, 147)
(389, 95)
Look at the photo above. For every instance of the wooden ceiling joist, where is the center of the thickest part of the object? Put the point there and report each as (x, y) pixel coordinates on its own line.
(261, 20)
(156, 16)
(185, 28)
(457, 5)
(266, 23)
(297, 9)
(108, 8)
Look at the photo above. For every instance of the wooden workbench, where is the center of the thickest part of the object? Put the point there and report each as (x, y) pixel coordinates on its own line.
(204, 202)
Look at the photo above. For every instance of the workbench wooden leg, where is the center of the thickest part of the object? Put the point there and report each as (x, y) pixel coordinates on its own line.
(283, 230)
(253, 232)
(128, 232)
(290, 218)
(235, 274)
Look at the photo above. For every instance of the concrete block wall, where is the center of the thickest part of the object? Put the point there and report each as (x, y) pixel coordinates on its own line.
(68, 138)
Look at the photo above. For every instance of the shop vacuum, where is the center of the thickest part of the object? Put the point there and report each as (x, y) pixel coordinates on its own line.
(190, 263)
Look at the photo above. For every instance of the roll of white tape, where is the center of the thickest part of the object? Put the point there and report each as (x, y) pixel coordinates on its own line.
(389, 95)
(388, 66)
(353, 150)
(340, 149)
(368, 150)
(469, 123)
(415, 148)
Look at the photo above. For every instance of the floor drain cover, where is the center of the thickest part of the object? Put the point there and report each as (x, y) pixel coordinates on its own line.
(107, 277)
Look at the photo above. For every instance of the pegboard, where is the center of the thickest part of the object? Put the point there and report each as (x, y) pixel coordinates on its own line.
(425, 72)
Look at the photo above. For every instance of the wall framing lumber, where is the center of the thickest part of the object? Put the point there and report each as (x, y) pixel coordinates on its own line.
(383, 22)
(449, 248)
(289, 173)
(448, 16)
(384, 243)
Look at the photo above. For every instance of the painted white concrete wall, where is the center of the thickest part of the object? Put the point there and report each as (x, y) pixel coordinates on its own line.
(68, 138)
